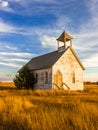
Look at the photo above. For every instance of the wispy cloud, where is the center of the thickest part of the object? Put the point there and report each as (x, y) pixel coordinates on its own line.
(7, 46)
(15, 60)
(93, 7)
(39, 6)
(11, 48)
(91, 61)
(47, 41)
(11, 64)
(4, 6)
(4, 3)
(9, 28)
(31, 1)
(18, 54)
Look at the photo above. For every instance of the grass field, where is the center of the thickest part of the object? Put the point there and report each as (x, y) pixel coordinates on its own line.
(49, 110)
(6, 85)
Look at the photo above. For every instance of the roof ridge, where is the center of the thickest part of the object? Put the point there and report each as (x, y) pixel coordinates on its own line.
(45, 60)
(48, 53)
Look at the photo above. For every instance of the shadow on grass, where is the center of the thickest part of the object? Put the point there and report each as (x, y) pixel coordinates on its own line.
(7, 88)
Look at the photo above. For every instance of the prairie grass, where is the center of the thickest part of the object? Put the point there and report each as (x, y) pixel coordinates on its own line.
(49, 110)
(7, 84)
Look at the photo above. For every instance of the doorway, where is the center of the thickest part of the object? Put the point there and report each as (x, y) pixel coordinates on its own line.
(58, 79)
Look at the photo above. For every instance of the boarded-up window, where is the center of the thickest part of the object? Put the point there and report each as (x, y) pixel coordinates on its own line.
(46, 78)
(73, 77)
(49, 78)
(36, 78)
(42, 76)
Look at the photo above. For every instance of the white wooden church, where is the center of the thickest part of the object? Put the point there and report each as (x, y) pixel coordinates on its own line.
(60, 69)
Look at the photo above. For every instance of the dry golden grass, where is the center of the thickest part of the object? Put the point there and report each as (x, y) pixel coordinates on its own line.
(49, 110)
(7, 84)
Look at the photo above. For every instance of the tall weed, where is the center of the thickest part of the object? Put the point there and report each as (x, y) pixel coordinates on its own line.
(48, 110)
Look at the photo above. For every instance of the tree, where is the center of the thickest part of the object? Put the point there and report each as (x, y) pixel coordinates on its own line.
(24, 79)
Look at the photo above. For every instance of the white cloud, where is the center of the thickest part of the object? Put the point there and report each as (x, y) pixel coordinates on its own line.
(48, 1)
(18, 54)
(62, 22)
(27, 8)
(91, 61)
(85, 41)
(32, 7)
(11, 48)
(10, 28)
(87, 35)
(47, 41)
(25, 3)
(4, 3)
(6, 28)
(13, 59)
(10, 64)
(7, 46)
(4, 6)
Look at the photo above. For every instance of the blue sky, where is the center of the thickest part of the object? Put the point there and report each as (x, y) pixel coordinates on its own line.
(30, 28)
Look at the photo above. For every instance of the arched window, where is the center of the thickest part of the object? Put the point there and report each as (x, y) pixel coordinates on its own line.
(46, 78)
(73, 77)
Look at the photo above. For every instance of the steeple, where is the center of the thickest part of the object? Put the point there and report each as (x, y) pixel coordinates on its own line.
(64, 37)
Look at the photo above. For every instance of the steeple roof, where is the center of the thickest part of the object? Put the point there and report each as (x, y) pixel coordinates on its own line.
(64, 36)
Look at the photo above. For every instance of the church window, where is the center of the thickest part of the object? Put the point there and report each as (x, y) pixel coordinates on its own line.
(36, 78)
(73, 77)
(46, 78)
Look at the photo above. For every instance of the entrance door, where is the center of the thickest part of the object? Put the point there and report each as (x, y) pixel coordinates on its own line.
(58, 79)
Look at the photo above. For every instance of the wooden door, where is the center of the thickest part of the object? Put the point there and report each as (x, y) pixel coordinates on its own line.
(58, 79)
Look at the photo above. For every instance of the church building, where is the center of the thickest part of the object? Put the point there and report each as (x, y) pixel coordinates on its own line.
(60, 69)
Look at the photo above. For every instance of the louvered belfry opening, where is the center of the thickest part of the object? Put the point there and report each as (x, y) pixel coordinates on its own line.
(62, 40)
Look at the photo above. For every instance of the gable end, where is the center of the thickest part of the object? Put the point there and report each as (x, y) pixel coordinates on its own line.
(77, 58)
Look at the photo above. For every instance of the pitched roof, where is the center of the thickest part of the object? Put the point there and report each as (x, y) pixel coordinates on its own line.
(49, 59)
(64, 36)
(45, 61)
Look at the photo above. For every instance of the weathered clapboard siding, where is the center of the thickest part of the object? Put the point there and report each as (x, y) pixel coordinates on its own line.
(67, 64)
(42, 82)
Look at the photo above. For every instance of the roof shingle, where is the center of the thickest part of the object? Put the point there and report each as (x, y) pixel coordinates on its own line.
(44, 61)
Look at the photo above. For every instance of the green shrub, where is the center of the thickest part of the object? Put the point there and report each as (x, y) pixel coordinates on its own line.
(24, 79)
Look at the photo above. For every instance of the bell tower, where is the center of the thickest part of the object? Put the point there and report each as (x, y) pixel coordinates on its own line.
(64, 38)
